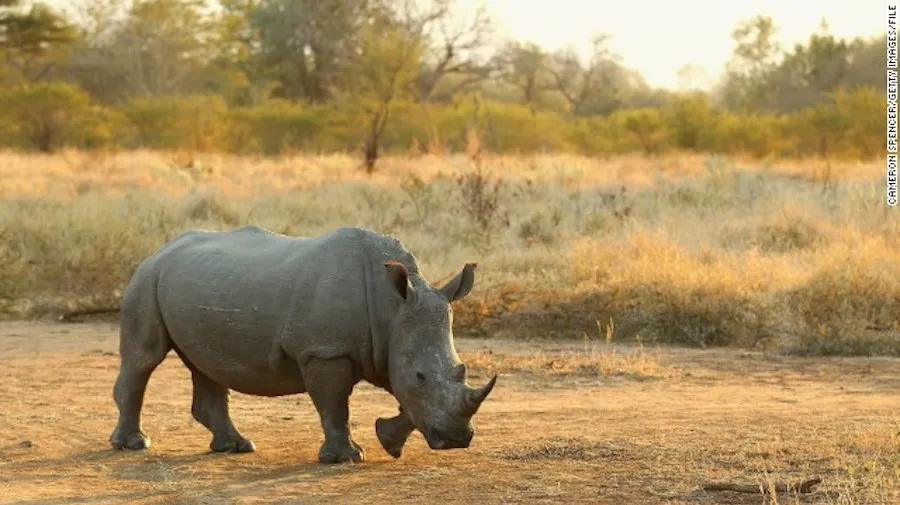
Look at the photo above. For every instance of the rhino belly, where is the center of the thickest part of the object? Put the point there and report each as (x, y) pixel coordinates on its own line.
(240, 362)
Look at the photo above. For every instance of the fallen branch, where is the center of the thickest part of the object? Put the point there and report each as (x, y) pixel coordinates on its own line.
(73, 314)
(804, 487)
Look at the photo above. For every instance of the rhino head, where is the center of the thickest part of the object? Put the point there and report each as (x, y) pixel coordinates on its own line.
(426, 375)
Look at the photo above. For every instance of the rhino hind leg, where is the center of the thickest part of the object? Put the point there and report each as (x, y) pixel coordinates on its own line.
(143, 345)
(330, 383)
(210, 408)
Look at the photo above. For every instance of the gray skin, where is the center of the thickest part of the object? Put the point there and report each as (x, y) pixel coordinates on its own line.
(265, 314)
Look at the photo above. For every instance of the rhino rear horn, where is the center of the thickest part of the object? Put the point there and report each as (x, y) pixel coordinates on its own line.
(475, 396)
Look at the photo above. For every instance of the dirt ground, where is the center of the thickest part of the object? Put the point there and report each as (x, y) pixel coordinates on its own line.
(711, 415)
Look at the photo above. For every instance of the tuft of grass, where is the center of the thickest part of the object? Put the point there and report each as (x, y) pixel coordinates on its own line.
(209, 204)
(593, 360)
(563, 448)
(851, 304)
(868, 469)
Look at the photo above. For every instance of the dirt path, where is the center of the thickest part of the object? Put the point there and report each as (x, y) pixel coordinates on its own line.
(713, 416)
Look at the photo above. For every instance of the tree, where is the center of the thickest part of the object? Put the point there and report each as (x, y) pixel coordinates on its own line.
(386, 65)
(453, 51)
(305, 46)
(865, 66)
(234, 71)
(599, 86)
(152, 48)
(524, 66)
(761, 77)
(755, 56)
(32, 40)
(46, 115)
(809, 73)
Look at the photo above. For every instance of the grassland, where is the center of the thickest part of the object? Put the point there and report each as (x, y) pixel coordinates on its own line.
(799, 256)
(584, 266)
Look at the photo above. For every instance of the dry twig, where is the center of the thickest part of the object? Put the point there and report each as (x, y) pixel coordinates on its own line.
(69, 316)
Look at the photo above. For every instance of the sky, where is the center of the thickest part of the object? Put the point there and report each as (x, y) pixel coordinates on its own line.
(657, 37)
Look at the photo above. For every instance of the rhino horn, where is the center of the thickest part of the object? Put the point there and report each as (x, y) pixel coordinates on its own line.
(474, 396)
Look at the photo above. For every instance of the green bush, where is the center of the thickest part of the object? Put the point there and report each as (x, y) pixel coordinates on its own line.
(643, 130)
(272, 127)
(755, 135)
(49, 116)
(510, 127)
(593, 136)
(691, 118)
(191, 122)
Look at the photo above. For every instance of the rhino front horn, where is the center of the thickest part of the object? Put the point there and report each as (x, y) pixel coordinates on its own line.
(476, 396)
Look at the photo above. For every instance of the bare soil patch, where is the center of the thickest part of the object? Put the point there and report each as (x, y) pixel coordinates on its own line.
(600, 425)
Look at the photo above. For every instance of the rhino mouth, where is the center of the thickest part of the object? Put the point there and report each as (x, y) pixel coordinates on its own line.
(438, 440)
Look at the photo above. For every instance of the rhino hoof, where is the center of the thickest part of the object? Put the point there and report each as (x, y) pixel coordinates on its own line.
(134, 441)
(223, 444)
(352, 454)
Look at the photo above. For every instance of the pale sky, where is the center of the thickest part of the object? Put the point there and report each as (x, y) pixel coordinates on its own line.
(657, 37)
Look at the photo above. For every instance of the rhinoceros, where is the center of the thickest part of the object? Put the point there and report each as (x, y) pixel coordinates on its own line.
(266, 314)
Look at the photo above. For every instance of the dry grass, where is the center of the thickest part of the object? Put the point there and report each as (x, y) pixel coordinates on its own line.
(592, 361)
(684, 248)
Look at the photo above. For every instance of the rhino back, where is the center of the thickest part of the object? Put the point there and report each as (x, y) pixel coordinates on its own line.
(248, 307)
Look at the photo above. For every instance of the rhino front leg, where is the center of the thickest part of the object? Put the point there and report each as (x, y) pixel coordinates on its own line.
(393, 432)
(330, 383)
(210, 408)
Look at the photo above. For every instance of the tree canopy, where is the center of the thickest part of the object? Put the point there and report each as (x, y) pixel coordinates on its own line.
(373, 56)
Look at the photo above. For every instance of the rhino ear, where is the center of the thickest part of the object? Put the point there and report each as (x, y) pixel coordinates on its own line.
(459, 286)
(398, 279)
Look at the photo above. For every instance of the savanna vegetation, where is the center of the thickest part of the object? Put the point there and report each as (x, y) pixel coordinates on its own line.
(596, 206)
(606, 216)
(405, 76)
(690, 249)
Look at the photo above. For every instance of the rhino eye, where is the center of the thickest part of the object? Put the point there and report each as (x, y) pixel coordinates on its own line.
(421, 378)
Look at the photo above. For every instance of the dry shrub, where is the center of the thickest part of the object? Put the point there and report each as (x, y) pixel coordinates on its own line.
(84, 251)
(209, 204)
(592, 361)
(778, 237)
(481, 196)
(541, 227)
(851, 305)
(667, 293)
(787, 232)
(680, 249)
(788, 237)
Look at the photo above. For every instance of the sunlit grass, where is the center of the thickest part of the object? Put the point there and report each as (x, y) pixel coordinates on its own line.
(681, 248)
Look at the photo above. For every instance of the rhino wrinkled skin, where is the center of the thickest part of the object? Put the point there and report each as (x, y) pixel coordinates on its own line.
(266, 314)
